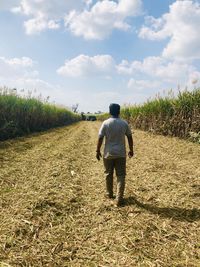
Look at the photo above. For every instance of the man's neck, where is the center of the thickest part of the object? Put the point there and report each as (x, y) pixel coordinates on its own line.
(115, 117)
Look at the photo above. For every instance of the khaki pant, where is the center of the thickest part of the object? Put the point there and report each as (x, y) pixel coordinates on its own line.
(119, 165)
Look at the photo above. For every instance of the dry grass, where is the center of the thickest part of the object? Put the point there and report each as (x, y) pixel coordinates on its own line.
(53, 211)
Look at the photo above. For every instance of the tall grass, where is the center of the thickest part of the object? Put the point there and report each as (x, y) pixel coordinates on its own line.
(23, 115)
(169, 115)
(176, 116)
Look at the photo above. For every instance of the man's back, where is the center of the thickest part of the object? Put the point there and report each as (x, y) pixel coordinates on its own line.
(114, 129)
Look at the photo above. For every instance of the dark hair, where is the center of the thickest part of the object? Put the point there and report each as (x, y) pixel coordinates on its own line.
(114, 109)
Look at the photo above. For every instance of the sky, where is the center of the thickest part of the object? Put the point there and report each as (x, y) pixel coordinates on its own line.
(94, 53)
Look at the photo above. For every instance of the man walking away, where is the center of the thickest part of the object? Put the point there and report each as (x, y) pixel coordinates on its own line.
(114, 130)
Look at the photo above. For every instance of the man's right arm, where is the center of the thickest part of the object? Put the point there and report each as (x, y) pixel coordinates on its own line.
(99, 144)
(100, 141)
(130, 143)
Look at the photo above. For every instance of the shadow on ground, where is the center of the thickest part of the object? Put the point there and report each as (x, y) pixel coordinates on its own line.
(179, 214)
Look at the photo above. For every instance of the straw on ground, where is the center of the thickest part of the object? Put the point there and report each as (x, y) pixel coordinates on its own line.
(53, 211)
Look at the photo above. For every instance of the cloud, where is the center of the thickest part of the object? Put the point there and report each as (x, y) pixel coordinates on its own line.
(181, 26)
(156, 73)
(150, 73)
(8, 4)
(86, 18)
(46, 14)
(158, 67)
(21, 73)
(49, 9)
(24, 61)
(37, 25)
(140, 85)
(13, 68)
(102, 18)
(83, 65)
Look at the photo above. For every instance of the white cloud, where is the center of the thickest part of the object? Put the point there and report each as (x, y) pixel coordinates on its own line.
(46, 8)
(181, 25)
(158, 73)
(13, 68)
(45, 14)
(21, 73)
(102, 18)
(151, 73)
(84, 65)
(37, 25)
(86, 18)
(140, 85)
(24, 61)
(88, 2)
(158, 67)
(8, 4)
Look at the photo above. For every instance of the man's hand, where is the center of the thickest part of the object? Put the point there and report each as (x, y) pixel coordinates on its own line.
(130, 154)
(98, 155)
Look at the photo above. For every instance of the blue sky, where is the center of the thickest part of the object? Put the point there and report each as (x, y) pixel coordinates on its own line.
(97, 52)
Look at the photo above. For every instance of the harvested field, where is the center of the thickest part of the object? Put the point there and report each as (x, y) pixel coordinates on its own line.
(53, 211)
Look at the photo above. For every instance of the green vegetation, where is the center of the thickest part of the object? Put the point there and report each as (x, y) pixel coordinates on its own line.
(175, 116)
(24, 115)
(170, 115)
(103, 116)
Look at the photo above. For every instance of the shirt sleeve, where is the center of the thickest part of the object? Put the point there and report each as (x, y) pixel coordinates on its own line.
(102, 130)
(128, 130)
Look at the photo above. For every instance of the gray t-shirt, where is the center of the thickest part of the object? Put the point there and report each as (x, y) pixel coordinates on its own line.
(114, 130)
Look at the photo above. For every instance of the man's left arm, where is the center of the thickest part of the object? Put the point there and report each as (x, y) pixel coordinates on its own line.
(130, 141)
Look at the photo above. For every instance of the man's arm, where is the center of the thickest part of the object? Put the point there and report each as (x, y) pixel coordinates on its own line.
(99, 144)
(130, 143)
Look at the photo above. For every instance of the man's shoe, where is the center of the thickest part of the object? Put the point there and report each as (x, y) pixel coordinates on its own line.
(120, 203)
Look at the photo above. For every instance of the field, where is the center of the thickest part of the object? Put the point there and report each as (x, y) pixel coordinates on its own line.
(53, 211)
(174, 115)
(170, 115)
(22, 115)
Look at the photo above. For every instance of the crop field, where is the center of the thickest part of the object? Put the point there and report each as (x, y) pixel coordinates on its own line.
(167, 115)
(53, 211)
(23, 115)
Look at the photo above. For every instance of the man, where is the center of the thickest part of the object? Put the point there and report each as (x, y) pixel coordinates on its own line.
(114, 130)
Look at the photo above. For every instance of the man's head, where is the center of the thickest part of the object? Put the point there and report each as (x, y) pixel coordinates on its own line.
(114, 109)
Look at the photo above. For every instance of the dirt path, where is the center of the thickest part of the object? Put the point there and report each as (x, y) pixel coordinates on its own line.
(53, 211)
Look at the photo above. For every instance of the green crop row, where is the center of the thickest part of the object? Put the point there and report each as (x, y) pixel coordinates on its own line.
(169, 115)
(24, 115)
(175, 116)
